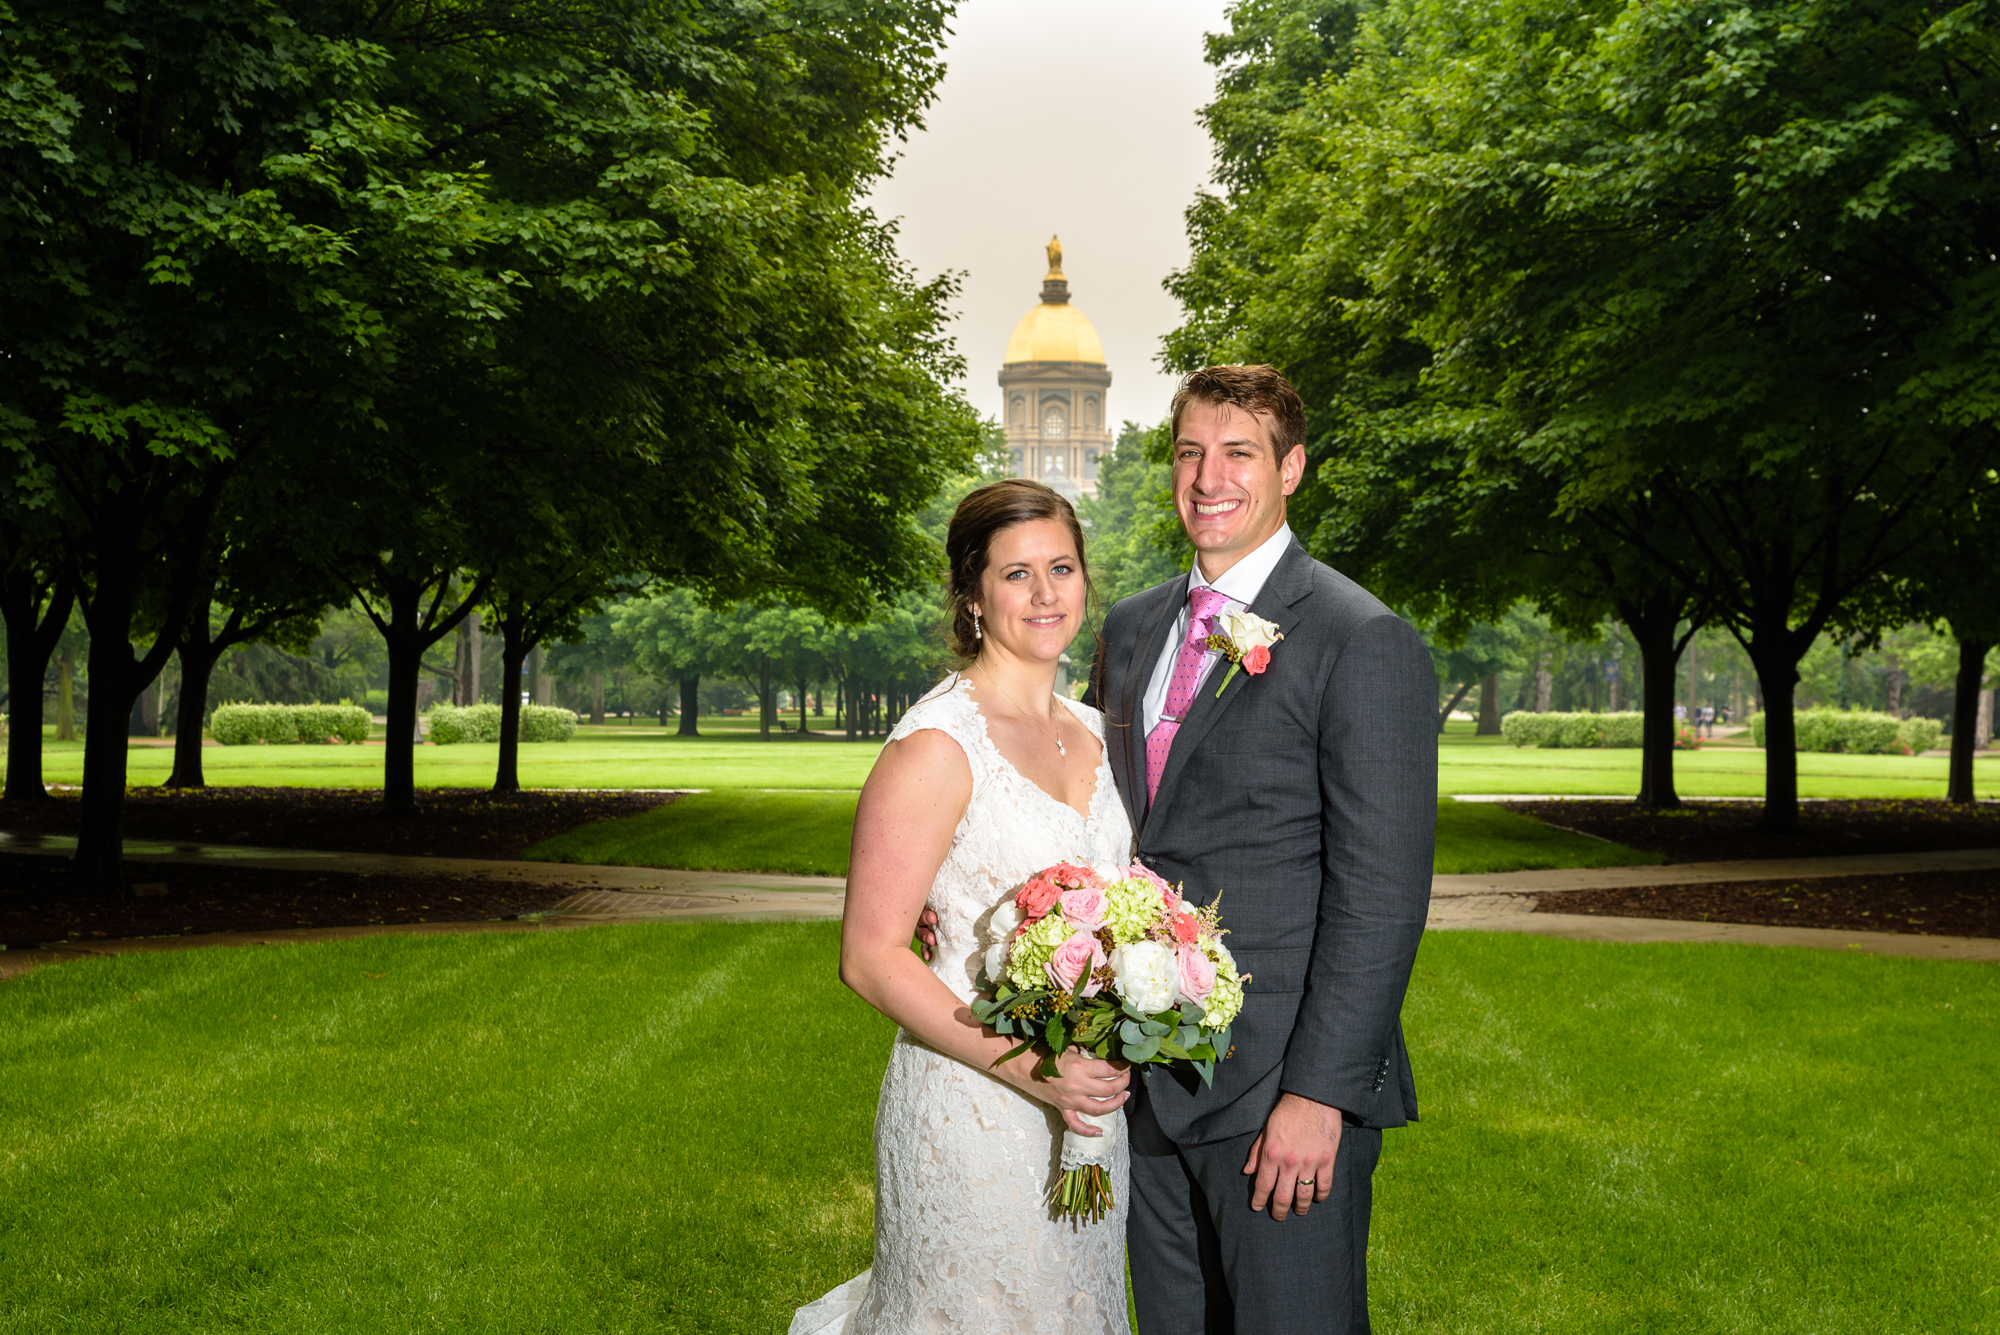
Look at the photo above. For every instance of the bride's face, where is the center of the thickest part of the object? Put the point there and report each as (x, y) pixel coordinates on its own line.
(1031, 596)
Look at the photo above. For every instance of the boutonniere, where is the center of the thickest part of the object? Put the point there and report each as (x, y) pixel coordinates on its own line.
(1247, 640)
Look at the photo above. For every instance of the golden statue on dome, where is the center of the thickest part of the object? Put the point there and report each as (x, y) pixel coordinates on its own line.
(1055, 257)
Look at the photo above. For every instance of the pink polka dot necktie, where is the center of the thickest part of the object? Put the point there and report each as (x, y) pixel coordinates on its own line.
(1203, 604)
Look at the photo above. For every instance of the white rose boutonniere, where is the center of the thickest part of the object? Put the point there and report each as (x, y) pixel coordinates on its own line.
(1246, 639)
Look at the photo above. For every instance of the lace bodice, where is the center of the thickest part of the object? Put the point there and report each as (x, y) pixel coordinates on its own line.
(965, 1241)
(1011, 828)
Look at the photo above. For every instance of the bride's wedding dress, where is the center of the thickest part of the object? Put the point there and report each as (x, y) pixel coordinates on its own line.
(964, 1237)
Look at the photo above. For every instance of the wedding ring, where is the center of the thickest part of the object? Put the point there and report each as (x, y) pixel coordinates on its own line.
(1305, 1181)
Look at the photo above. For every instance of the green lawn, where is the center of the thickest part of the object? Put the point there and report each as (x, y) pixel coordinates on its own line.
(808, 834)
(667, 1128)
(594, 758)
(804, 834)
(1479, 837)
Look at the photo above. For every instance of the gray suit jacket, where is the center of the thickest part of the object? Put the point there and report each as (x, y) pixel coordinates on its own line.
(1307, 798)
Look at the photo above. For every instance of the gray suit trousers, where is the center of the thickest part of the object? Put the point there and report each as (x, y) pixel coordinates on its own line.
(1198, 1249)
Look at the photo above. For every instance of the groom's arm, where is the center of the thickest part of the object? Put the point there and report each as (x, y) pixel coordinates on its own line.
(1378, 818)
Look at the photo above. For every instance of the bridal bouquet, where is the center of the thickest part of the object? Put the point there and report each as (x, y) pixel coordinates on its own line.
(1113, 961)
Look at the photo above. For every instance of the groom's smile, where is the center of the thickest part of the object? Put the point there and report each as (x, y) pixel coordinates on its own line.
(1230, 483)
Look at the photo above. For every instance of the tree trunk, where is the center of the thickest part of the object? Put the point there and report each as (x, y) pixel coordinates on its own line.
(1982, 729)
(32, 633)
(802, 709)
(1892, 684)
(197, 669)
(405, 652)
(597, 698)
(1777, 681)
(513, 654)
(1965, 719)
(1489, 706)
(1656, 698)
(764, 699)
(116, 679)
(473, 638)
(1444, 715)
(690, 706)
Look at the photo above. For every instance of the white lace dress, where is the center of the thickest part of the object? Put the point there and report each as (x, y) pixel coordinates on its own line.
(964, 1237)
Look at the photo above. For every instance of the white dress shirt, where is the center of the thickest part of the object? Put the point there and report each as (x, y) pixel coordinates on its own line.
(1241, 584)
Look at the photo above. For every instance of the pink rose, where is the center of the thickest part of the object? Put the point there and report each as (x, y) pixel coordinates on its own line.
(1256, 659)
(1037, 897)
(1081, 952)
(1084, 909)
(1168, 898)
(1197, 973)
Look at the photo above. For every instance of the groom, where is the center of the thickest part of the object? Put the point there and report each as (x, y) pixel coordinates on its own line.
(1306, 796)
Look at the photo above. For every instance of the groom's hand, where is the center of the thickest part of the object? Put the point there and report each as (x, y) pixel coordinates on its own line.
(927, 932)
(1293, 1156)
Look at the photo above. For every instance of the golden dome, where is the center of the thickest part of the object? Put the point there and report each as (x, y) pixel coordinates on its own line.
(1054, 331)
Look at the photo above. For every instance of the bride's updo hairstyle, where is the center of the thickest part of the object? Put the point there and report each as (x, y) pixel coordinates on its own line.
(980, 516)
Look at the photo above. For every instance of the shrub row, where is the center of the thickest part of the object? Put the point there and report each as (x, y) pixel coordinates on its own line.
(1573, 730)
(1857, 732)
(285, 725)
(452, 724)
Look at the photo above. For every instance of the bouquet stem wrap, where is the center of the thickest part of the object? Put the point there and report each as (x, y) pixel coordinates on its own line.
(1085, 1188)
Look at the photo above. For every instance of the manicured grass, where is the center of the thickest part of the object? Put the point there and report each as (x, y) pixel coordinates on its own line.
(636, 756)
(804, 834)
(809, 833)
(594, 758)
(667, 1128)
(1479, 837)
(1691, 1138)
(1487, 765)
(662, 1129)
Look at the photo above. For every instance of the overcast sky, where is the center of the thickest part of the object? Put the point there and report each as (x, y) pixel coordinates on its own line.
(1074, 117)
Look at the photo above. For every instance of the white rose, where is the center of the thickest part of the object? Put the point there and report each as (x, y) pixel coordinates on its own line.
(1247, 631)
(1146, 975)
(996, 961)
(1005, 919)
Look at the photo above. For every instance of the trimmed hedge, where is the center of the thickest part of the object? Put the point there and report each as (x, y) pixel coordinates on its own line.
(1573, 731)
(289, 725)
(1857, 732)
(452, 724)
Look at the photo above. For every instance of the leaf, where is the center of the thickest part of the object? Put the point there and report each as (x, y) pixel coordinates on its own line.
(1169, 1048)
(1143, 1051)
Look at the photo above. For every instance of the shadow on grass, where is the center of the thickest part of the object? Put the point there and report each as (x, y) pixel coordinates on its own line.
(798, 834)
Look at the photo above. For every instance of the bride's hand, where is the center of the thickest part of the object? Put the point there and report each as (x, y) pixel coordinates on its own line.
(1082, 1084)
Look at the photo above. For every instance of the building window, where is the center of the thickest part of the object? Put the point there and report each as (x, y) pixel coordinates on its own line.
(1090, 412)
(1090, 465)
(1020, 461)
(1052, 463)
(1018, 412)
(1055, 425)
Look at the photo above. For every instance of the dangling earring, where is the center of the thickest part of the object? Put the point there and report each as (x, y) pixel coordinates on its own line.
(978, 631)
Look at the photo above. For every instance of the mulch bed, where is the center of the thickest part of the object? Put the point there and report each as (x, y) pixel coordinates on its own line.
(456, 822)
(1726, 831)
(37, 905)
(1930, 903)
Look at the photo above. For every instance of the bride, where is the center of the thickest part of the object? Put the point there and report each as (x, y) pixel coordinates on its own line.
(988, 779)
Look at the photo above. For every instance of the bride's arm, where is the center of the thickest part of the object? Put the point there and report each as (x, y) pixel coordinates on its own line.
(910, 807)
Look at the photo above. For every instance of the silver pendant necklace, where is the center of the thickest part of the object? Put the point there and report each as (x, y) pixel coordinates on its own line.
(1061, 750)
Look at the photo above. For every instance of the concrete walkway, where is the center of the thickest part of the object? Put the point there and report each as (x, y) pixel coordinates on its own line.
(1495, 901)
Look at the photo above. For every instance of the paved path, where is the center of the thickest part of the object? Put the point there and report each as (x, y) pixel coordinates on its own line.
(1497, 901)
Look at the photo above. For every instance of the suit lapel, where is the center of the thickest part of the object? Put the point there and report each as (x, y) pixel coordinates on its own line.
(1138, 672)
(1290, 582)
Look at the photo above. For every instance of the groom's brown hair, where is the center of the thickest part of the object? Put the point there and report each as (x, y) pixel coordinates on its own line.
(1258, 390)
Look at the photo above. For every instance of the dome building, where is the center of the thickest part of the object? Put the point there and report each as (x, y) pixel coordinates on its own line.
(1053, 385)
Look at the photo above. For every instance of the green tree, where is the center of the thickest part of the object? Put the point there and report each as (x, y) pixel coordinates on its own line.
(1134, 535)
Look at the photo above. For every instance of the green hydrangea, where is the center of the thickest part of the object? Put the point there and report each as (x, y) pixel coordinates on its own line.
(1029, 965)
(1226, 1002)
(1131, 907)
